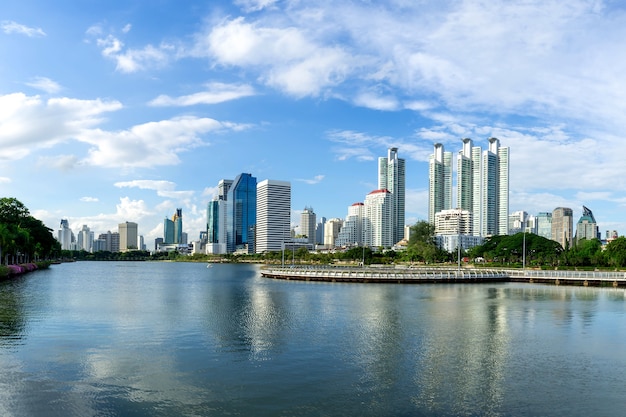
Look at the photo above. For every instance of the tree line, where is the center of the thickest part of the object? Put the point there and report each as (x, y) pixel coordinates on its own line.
(24, 238)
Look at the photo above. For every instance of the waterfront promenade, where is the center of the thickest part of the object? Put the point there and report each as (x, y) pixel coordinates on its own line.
(407, 275)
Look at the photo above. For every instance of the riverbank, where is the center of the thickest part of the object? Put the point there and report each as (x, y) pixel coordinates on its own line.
(10, 271)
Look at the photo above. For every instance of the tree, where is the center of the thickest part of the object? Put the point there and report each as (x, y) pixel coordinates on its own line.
(615, 252)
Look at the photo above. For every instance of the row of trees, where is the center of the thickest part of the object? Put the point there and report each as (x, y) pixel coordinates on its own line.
(23, 238)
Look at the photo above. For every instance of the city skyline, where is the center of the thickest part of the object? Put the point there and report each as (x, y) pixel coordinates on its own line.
(126, 110)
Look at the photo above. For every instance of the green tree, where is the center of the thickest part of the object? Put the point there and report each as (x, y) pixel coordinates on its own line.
(615, 252)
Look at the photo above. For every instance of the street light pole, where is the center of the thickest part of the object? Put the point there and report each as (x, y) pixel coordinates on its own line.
(524, 251)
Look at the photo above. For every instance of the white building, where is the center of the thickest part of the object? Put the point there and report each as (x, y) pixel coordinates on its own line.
(331, 231)
(439, 182)
(483, 186)
(65, 236)
(454, 228)
(308, 223)
(378, 225)
(351, 233)
(85, 239)
(273, 215)
(453, 222)
(392, 177)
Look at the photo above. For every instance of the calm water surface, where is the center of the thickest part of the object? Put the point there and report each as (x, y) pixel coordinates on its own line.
(180, 339)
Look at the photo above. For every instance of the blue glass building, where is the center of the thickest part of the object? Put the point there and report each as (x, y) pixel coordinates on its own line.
(241, 214)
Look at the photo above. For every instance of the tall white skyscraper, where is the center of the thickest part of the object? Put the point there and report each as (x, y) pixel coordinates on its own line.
(391, 177)
(439, 182)
(65, 235)
(308, 222)
(378, 228)
(85, 239)
(273, 215)
(483, 186)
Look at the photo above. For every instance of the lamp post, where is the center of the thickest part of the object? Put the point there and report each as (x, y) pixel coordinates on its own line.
(524, 251)
(458, 243)
(363, 259)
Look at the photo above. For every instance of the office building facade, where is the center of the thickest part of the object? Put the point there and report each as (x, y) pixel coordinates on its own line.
(587, 228)
(308, 223)
(273, 215)
(562, 226)
(241, 214)
(129, 236)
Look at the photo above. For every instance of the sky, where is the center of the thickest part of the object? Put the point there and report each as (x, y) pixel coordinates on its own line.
(125, 110)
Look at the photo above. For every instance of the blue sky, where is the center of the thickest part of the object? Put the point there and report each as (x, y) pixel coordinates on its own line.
(124, 110)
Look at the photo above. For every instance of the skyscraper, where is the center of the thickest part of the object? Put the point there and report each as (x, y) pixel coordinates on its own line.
(544, 224)
(216, 219)
(439, 182)
(586, 228)
(562, 226)
(65, 235)
(241, 214)
(378, 228)
(178, 226)
(128, 236)
(483, 186)
(273, 215)
(391, 177)
(308, 221)
(351, 233)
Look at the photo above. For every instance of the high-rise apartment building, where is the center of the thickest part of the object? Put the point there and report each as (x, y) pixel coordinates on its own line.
(332, 227)
(65, 235)
(392, 177)
(85, 239)
(351, 233)
(273, 215)
(587, 228)
(241, 214)
(128, 236)
(483, 186)
(439, 182)
(378, 228)
(562, 226)
(308, 222)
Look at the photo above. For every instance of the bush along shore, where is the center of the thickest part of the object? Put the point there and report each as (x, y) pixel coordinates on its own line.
(9, 271)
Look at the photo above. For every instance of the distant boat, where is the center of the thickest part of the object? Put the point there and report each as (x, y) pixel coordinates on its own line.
(209, 265)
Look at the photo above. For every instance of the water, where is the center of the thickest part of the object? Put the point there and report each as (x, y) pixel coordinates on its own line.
(180, 339)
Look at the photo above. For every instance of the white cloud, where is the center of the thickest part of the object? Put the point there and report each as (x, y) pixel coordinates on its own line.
(163, 188)
(216, 93)
(45, 84)
(149, 144)
(130, 60)
(58, 119)
(5, 180)
(89, 199)
(286, 58)
(315, 180)
(9, 27)
(255, 5)
(372, 101)
(65, 119)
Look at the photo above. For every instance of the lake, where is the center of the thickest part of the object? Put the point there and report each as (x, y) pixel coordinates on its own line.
(181, 339)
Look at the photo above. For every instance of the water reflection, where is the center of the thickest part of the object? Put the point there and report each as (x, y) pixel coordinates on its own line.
(180, 339)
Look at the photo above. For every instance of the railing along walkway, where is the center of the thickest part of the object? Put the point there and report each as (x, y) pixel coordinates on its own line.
(407, 275)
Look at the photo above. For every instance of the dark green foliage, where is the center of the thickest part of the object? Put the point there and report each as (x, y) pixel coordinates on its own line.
(23, 238)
